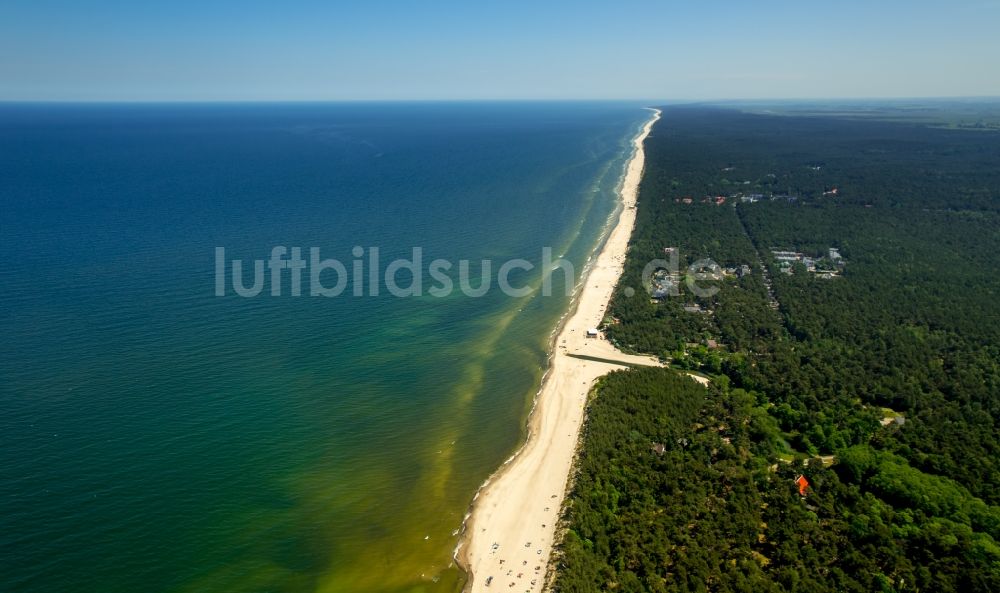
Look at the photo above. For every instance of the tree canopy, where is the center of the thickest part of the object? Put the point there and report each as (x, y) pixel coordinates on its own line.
(858, 347)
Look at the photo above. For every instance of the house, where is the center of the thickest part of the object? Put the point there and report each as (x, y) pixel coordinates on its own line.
(894, 420)
(593, 333)
(786, 255)
(659, 448)
(711, 344)
(803, 484)
(692, 308)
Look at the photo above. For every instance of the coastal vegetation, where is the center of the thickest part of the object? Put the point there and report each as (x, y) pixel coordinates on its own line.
(853, 341)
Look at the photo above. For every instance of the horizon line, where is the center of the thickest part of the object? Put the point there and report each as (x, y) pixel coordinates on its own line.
(663, 101)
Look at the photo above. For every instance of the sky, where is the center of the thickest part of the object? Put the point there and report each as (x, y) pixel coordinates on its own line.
(250, 50)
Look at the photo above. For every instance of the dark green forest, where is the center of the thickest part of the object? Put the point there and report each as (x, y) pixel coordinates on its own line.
(853, 338)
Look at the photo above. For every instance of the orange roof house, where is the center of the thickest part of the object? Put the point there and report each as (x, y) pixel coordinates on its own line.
(803, 484)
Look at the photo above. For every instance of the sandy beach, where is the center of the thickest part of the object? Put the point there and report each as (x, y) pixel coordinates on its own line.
(509, 533)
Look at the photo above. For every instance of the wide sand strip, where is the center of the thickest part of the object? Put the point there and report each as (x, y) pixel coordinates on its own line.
(508, 535)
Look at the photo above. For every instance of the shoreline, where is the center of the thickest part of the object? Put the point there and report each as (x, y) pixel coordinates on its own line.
(511, 525)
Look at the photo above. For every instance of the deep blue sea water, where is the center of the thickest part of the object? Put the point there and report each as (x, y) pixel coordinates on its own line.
(157, 437)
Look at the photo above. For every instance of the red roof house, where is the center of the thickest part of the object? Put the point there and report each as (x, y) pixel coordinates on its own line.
(803, 484)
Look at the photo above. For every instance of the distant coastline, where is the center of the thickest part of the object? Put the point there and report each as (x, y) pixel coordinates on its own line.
(511, 524)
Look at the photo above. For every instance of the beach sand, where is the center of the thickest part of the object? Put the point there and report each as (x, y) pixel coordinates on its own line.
(509, 532)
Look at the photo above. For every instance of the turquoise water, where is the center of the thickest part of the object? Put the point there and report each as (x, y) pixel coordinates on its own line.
(159, 438)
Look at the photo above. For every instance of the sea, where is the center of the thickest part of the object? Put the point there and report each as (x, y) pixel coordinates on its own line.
(165, 428)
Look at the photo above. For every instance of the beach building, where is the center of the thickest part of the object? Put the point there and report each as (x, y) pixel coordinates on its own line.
(593, 333)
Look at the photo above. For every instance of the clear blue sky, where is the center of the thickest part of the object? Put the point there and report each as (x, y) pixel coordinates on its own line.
(476, 49)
